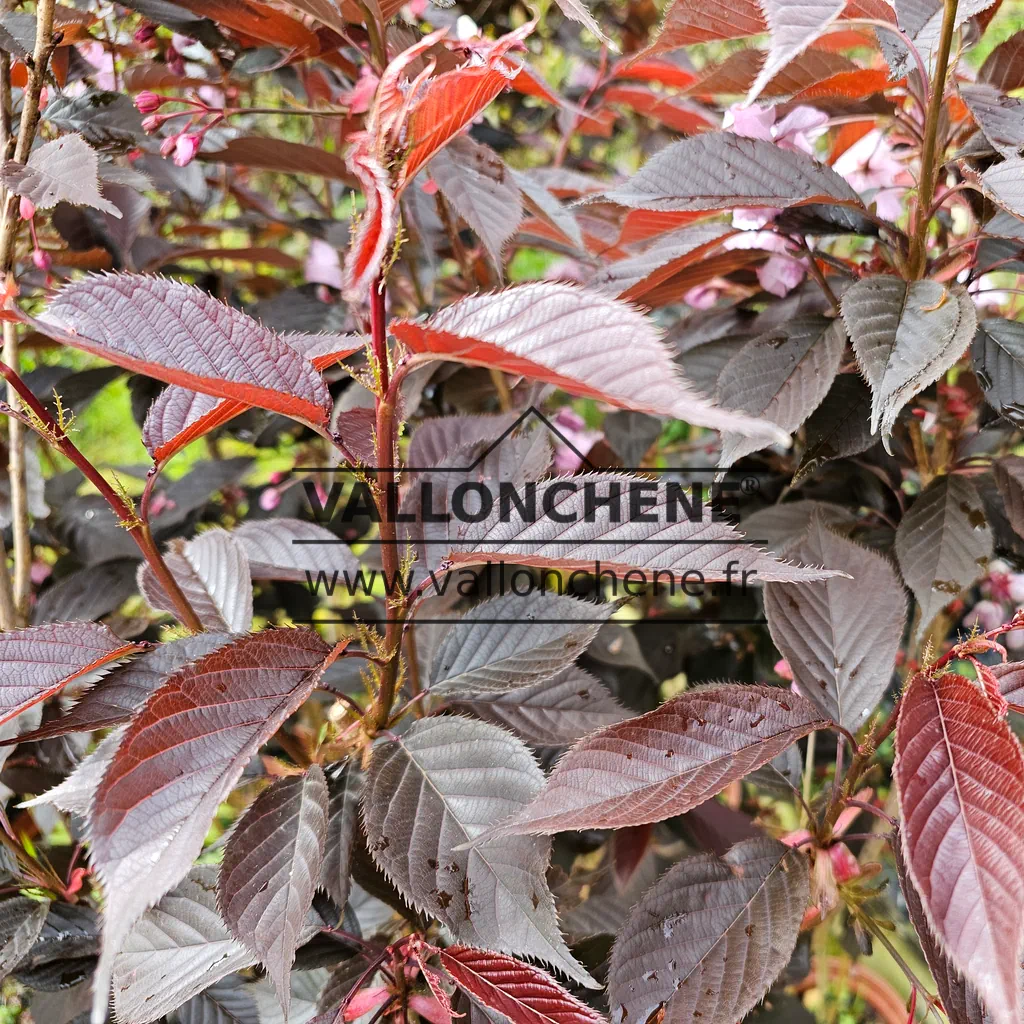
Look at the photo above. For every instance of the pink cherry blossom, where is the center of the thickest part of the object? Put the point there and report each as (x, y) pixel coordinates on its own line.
(323, 264)
(186, 148)
(870, 164)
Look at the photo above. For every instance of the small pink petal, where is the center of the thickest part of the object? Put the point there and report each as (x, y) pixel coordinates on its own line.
(782, 669)
(753, 122)
(323, 264)
(780, 275)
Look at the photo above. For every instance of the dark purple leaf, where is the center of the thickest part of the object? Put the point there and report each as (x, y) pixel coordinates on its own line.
(943, 544)
(571, 337)
(39, 661)
(712, 934)
(180, 756)
(663, 763)
(270, 871)
(345, 788)
(721, 171)
(552, 712)
(841, 648)
(178, 334)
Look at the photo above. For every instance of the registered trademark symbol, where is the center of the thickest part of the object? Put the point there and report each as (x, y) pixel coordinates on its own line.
(750, 485)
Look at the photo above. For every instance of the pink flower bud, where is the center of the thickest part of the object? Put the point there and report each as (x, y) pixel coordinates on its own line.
(145, 34)
(186, 148)
(168, 145)
(152, 124)
(149, 102)
(41, 259)
(270, 498)
(26, 208)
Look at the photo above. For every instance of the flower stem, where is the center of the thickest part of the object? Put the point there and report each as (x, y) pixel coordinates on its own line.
(929, 156)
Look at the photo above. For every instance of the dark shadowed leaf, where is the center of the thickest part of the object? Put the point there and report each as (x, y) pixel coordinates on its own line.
(436, 438)
(107, 120)
(176, 333)
(513, 641)
(477, 183)
(440, 785)
(841, 648)
(960, 776)
(281, 155)
(712, 933)
(177, 948)
(943, 544)
(271, 868)
(213, 573)
(905, 337)
(115, 698)
(782, 375)
(668, 761)
(720, 171)
(18, 945)
(569, 337)
(792, 28)
(1009, 476)
(180, 757)
(224, 1002)
(552, 712)
(345, 787)
(1004, 66)
(840, 426)
(288, 549)
(39, 661)
(959, 999)
(64, 170)
(998, 358)
(520, 992)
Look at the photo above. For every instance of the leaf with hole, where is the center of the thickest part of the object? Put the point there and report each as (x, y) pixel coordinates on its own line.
(666, 762)
(782, 376)
(943, 544)
(712, 933)
(440, 785)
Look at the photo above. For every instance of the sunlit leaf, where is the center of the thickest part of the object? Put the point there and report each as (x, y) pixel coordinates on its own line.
(960, 777)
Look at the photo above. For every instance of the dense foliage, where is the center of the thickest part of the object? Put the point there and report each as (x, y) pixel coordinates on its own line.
(569, 572)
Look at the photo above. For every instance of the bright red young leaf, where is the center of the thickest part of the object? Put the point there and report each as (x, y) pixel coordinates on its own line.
(673, 112)
(180, 757)
(960, 775)
(257, 21)
(573, 338)
(689, 22)
(415, 120)
(522, 993)
(39, 661)
(668, 761)
(176, 333)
